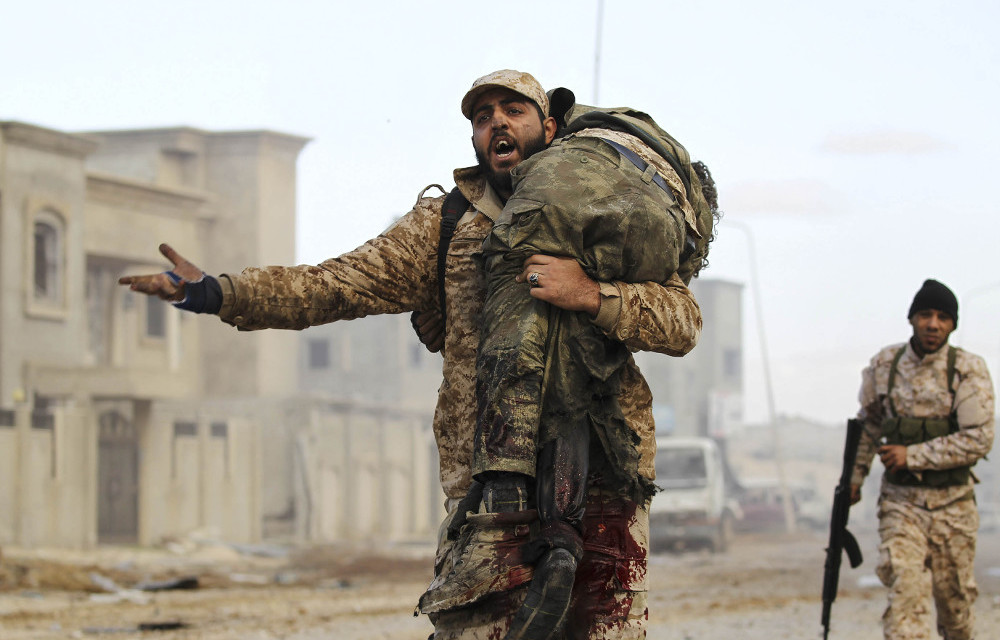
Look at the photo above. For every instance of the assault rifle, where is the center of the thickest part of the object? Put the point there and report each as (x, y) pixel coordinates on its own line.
(840, 538)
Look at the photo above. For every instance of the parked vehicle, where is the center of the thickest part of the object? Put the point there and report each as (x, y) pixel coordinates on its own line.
(694, 506)
(762, 504)
(761, 501)
(811, 511)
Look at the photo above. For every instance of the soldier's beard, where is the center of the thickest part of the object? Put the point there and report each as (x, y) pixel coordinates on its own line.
(501, 180)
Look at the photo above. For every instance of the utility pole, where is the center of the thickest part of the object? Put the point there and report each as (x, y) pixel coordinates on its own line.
(779, 455)
(597, 53)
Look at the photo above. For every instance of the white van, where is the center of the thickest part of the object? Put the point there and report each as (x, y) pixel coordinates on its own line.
(693, 506)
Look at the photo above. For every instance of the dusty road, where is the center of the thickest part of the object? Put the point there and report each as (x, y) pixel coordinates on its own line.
(766, 587)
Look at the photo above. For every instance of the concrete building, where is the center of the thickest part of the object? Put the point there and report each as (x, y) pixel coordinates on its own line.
(124, 420)
(376, 360)
(701, 394)
(376, 370)
(106, 386)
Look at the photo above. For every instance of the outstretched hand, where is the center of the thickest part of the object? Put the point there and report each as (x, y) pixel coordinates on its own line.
(561, 282)
(161, 284)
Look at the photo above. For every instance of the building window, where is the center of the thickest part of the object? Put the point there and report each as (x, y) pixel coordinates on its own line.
(220, 430)
(102, 317)
(41, 414)
(156, 317)
(48, 262)
(182, 429)
(43, 420)
(319, 354)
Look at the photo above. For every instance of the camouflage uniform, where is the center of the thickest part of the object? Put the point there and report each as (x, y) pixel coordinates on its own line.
(927, 529)
(397, 272)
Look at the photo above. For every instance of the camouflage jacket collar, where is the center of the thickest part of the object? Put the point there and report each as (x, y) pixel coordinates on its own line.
(473, 185)
(924, 358)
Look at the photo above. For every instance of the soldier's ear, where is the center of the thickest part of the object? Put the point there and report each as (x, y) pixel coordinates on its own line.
(550, 126)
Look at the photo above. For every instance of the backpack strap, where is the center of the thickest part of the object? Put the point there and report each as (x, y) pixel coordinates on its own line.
(952, 356)
(690, 246)
(454, 207)
(643, 166)
(892, 379)
(953, 417)
(604, 120)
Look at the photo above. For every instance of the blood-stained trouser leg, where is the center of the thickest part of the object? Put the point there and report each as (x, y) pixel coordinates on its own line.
(561, 494)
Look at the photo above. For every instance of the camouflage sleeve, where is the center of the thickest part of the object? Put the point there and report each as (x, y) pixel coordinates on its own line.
(974, 409)
(870, 414)
(664, 318)
(393, 273)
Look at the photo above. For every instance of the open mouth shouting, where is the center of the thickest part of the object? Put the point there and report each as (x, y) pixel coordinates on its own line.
(503, 147)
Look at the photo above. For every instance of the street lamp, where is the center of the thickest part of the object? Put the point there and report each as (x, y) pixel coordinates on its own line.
(779, 457)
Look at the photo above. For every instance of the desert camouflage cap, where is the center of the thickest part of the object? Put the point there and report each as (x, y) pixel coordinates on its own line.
(518, 81)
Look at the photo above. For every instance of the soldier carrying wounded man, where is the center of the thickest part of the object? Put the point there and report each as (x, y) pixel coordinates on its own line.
(593, 499)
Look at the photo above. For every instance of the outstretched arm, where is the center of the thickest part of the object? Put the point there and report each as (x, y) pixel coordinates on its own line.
(392, 273)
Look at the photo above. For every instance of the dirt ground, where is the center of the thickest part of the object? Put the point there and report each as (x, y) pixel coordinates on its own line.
(765, 587)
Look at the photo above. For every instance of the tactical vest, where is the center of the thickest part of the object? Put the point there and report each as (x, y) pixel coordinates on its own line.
(907, 431)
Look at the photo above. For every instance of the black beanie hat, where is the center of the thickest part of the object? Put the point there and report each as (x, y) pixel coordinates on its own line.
(934, 295)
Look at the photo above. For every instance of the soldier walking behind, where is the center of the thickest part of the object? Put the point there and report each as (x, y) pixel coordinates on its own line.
(928, 413)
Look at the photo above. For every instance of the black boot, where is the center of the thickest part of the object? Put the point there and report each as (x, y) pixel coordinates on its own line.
(561, 484)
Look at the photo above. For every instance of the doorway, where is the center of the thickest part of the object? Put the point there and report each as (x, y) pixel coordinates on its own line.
(117, 478)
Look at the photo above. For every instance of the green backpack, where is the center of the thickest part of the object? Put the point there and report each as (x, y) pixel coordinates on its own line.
(572, 117)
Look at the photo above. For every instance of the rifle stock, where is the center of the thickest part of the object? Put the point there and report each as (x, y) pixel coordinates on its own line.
(841, 539)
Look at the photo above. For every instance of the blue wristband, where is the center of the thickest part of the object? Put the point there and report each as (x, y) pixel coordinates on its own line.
(203, 296)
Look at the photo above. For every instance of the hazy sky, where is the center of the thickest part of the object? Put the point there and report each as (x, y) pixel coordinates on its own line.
(857, 140)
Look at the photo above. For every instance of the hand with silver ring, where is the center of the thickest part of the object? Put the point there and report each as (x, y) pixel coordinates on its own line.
(566, 285)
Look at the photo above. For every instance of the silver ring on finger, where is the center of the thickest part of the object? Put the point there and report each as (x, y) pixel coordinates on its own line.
(533, 279)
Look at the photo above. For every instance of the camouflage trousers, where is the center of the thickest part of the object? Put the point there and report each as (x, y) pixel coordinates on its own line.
(928, 553)
(544, 373)
(609, 594)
